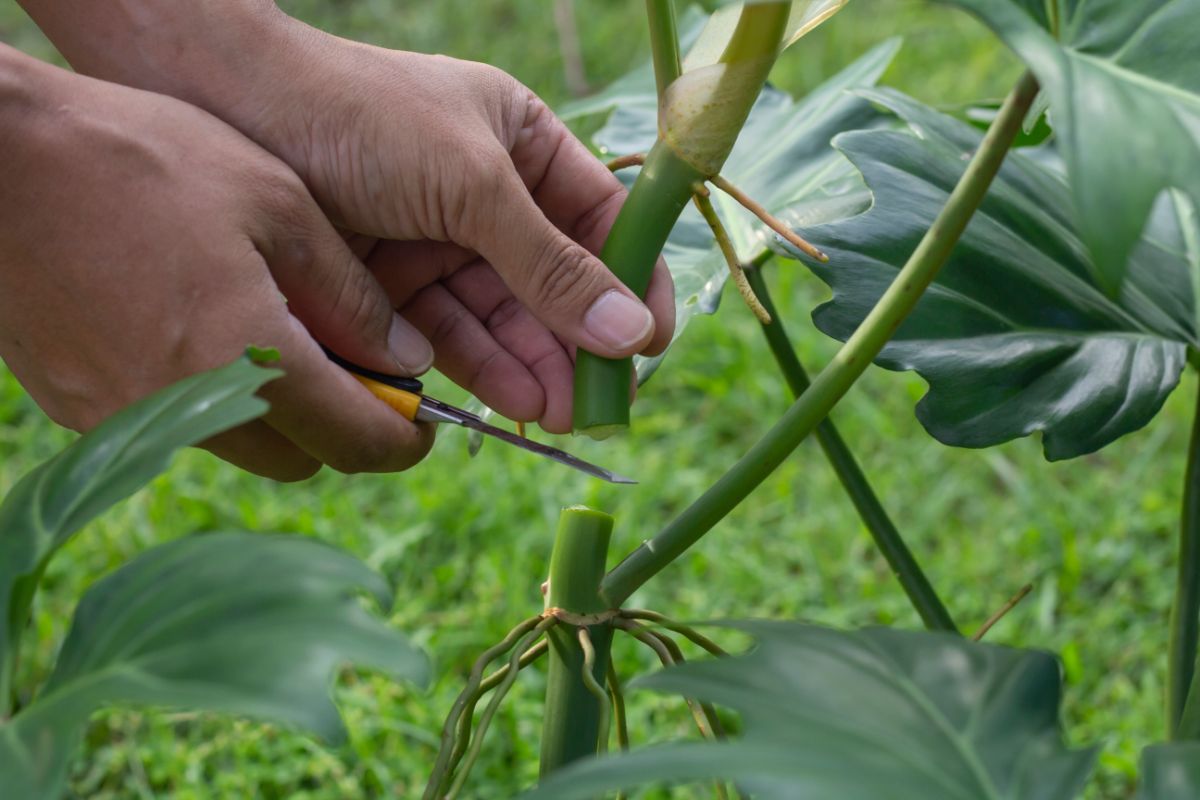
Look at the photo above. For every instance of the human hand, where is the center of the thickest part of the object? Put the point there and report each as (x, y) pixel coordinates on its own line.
(146, 240)
(473, 205)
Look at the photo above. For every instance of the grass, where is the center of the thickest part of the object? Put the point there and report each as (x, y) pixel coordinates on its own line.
(466, 542)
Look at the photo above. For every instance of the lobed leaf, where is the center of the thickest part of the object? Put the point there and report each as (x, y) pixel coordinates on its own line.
(1016, 335)
(1123, 85)
(873, 713)
(105, 466)
(246, 624)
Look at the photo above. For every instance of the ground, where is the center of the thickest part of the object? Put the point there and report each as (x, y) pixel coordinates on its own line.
(465, 541)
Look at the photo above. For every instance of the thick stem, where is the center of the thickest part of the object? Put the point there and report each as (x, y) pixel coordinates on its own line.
(659, 194)
(664, 42)
(658, 197)
(905, 567)
(850, 362)
(1185, 611)
(571, 724)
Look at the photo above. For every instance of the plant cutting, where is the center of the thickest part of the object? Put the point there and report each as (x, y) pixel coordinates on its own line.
(984, 260)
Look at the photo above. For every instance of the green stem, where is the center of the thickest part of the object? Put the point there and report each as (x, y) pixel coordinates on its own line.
(912, 579)
(1185, 611)
(841, 373)
(571, 723)
(658, 197)
(664, 43)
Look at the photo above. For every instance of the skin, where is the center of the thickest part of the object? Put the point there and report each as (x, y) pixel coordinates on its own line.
(349, 179)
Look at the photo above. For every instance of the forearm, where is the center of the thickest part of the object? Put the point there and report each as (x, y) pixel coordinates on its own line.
(207, 52)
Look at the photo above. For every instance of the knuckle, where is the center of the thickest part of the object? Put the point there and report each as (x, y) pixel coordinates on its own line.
(564, 275)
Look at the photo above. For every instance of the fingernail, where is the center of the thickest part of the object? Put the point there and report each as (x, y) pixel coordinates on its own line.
(411, 350)
(618, 320)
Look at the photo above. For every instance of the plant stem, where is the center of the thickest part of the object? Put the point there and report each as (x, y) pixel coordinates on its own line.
(686, 631)
(658, 197)
(1185, 611)
(618, 704)
(588, 676)
(841, 373)
(571, 724)
(907, 570)
(664, 43)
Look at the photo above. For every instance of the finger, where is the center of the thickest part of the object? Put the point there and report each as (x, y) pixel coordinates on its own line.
(257, 447)
(582, 198)
(328, 414)
(558, 280)
(405, 268)
(660, 299)
(331, 291)
(483, 293)
(471, 357)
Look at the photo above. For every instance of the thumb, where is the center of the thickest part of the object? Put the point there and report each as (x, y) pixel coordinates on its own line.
(336, 297)
(562, 284)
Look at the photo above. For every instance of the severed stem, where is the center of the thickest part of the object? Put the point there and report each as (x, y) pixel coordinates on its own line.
(1004, 609)
(735, 267)
(773, 222)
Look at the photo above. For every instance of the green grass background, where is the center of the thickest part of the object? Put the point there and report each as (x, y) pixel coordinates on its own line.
(466, 541)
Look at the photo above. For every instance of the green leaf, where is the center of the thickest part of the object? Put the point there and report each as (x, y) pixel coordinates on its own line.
(1170, 772)
(874, 713)
(804, 16)
(1123, 82)
(1015, 336)
(253, 625)
(105, 466)
(782, 159)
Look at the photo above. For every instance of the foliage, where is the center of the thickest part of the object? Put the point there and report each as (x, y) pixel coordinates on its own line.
(244, 624)
(1121, 80)
(876, 713)
(1015, 336)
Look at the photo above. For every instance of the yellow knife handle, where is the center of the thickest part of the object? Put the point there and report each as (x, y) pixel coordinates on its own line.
(405, 403)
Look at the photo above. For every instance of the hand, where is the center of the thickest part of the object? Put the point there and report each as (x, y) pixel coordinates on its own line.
(147, 240)
(487, 209)
(474, 206)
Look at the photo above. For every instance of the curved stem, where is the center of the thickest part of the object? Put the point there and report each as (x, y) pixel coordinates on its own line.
(688, 632)
(904, 565)
(1185, 611)
(725, 245)
(770, 220)
(1000, 612)
(588, 675)
(664, 43)
(849, 363)
(485, 720)
(450, 743)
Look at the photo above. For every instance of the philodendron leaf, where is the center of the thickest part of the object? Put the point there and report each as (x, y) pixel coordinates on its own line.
(1123, 82)
(1015, 335)
(783, 159)
(875, 713)
(106, 465)
(1170, 772)
(246, 624)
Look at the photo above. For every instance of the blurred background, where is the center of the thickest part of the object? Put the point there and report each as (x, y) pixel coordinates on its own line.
(466, 541)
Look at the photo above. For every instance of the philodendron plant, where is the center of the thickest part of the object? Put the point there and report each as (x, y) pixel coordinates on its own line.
(1038, 283)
